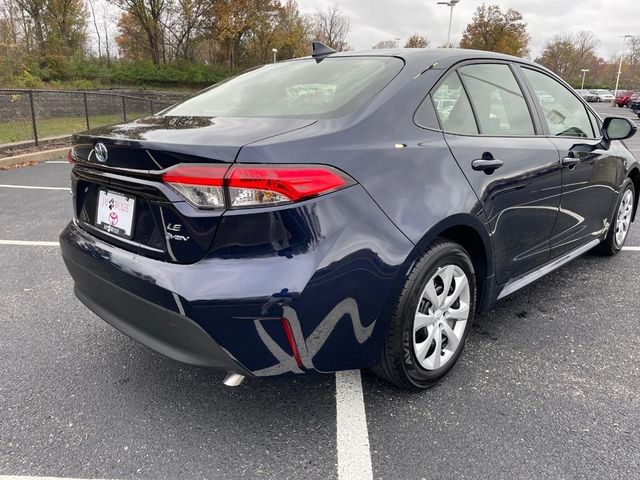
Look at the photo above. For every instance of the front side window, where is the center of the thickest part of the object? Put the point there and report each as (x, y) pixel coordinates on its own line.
(295, 89)
(453, 107)
(498, 101)
(566, 115)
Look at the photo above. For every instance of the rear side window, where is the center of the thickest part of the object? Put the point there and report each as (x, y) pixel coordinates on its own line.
(566, 115)
(498, 101)
(453, 107)
(296, 89)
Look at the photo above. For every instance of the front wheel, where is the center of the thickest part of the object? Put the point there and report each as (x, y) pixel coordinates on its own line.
(431, 319)
(619, 229)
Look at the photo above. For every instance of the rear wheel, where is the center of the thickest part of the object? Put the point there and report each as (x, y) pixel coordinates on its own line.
(619, 229)
(431, 319)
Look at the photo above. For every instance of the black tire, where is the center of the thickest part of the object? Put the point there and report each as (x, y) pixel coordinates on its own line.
(399, 364)
(610, 246)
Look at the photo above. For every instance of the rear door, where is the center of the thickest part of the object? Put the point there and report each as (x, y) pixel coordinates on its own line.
(589, 175)
(515, 172)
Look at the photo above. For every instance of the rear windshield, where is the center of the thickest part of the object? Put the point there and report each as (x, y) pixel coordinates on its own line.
(295, 89)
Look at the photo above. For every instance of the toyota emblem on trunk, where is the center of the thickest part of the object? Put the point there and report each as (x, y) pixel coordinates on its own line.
(101, 152)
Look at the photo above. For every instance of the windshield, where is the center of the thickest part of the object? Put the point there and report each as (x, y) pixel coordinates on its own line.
(297, 89)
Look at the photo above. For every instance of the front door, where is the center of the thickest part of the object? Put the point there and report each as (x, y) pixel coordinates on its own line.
(589, 173)
(514, 172)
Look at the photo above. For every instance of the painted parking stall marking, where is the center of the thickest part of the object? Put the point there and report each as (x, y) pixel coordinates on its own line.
(29, 243)
(24, 477)
(31, 187)
(354, 454)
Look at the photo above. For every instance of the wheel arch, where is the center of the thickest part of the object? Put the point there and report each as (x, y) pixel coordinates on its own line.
(468, 231)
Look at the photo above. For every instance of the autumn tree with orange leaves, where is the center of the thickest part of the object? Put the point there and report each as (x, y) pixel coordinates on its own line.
(496, 31)
(416, 41)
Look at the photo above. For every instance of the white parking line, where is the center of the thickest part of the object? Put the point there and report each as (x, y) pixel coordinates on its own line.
(65, 162)
(27, 477)
(29, 243)
(631, 249)
(31, 187)
(354, 454)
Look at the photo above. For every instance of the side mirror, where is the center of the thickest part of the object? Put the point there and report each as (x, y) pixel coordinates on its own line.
(618, 128)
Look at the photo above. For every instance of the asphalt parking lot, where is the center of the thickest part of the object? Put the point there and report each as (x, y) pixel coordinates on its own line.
(548, 387)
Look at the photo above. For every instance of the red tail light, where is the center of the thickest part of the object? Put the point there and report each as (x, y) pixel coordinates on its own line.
(70, 157)
(196, 175)
(212, 186)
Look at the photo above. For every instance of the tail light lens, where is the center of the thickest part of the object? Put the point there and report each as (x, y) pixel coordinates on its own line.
(199, 185)
(242, 186)
(71, 156)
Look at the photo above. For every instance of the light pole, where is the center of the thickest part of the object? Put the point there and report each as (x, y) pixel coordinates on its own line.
(275, 54)
(450, 3)
(584, 73)
(624, 44)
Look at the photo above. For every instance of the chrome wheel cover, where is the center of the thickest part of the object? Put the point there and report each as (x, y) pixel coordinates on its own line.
(623, 219)
(441, 317)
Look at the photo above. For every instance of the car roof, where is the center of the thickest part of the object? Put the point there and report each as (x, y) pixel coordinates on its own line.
(429, 56)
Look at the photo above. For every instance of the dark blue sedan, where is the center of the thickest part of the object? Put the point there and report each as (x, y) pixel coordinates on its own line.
(342, 211)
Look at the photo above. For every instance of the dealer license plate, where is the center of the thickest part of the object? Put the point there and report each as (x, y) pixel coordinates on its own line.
(115, 213)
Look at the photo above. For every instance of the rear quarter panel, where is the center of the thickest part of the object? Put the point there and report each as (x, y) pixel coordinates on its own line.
(408, 171)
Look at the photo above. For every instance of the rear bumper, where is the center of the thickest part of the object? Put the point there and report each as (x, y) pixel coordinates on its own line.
(159, 328)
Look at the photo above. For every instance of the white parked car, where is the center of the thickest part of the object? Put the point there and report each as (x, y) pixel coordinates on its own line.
(603, 95)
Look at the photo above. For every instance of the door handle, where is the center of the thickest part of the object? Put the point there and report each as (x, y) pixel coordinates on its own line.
(570, 160)
(486, 165)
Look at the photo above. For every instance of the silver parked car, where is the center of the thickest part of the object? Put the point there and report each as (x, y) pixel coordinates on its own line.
(587, 95)
(603, 95)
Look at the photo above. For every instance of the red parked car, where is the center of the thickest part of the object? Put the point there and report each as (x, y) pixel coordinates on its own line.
(623, 98)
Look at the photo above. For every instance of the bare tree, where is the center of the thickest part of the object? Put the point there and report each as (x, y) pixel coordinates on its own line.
(95, 26)
(567, 54)
(586, 44)
(331, 27)
(108, 21)
(9, 25)
(384, 44)
(35, 11)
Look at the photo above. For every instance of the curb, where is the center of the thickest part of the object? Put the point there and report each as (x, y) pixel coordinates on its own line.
(33, 157)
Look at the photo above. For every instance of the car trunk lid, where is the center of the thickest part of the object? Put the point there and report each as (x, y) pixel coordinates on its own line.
(164, 226)
(159, 142)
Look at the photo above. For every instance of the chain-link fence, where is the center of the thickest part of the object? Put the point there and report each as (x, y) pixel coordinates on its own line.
(32, 116)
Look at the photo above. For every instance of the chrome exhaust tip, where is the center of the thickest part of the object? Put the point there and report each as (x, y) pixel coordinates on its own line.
(233, 379)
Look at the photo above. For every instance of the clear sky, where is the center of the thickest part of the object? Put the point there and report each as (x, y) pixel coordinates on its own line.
(375, 20)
